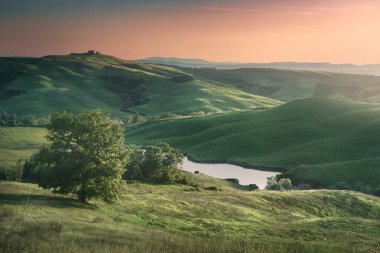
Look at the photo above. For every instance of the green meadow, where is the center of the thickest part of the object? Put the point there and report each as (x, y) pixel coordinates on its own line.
(182, 218)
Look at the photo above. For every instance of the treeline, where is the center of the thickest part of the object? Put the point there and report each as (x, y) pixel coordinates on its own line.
(358, 186)
(285, 184)
(12, 119)
(139, 118)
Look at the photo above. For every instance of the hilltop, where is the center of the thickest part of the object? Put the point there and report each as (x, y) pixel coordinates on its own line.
(78, 82)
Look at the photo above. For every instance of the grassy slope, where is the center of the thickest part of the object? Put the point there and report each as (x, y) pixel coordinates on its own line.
(336, 140)
(286, 85)
(19, 143)
(75, 83)
(178, 219)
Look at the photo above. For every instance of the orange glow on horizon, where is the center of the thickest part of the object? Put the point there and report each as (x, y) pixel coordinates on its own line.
(337, 33)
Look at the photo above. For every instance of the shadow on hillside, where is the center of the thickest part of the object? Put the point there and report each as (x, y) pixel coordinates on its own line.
(54, 201)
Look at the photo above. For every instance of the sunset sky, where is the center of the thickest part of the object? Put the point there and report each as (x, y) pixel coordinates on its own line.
(337, 31)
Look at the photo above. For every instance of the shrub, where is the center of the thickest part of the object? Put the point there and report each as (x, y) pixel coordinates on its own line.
(137, 118)
(253, 187)
(157, 163)
(232, 180)
(284, 184)
(198, 114)
(196, 172)
(271, 183)
(367, 189)
(358, 186)
(376, 191)
(304, 186)
(212, 188)
(10, 174)
(342, 186)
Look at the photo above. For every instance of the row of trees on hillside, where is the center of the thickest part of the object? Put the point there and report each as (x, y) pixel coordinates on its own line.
(285, 184)
(12, 119)
(358, 186)
(138, 118)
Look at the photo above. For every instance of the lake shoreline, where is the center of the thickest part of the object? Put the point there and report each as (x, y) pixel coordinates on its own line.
(245, 165)
(243, 176)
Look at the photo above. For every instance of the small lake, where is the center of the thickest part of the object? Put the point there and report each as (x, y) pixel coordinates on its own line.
(223, 171)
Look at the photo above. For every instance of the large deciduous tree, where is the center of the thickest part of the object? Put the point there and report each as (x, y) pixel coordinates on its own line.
(86, 156)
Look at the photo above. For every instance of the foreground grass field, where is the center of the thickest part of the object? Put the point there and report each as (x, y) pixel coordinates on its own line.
(319, 141)
(179, 218)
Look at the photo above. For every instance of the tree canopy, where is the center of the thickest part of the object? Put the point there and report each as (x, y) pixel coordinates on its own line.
(86, 156)
(156, 163)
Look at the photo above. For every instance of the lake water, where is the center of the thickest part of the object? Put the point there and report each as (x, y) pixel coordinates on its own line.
(223, 171)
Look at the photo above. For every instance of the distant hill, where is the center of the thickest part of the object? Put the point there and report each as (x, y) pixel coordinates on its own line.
(287, 85)
(370, 69)
(77, 82)
(82, 81)
(319, 141)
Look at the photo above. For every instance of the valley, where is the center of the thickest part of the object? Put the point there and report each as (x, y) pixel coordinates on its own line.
(317, 129)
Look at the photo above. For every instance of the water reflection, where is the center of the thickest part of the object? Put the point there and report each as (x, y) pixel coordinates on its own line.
(223, 171)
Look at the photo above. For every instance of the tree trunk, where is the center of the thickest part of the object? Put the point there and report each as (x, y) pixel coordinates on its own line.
(82, 194)
(82, 198)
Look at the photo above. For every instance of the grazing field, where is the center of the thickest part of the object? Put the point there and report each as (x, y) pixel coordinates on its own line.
(41, 86)
(180, 218)
(316, 140)
(287, 85)
(18, 143)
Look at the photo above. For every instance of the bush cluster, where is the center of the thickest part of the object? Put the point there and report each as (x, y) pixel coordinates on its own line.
(284, 184)
(358, 186)
(158, 163)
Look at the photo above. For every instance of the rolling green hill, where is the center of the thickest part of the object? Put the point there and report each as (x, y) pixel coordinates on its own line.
(315, 140)
(307, 139)
(287, 85)
(77, 82)
(178, 218)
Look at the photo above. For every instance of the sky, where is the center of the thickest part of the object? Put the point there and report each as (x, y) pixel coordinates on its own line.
(336, 31)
